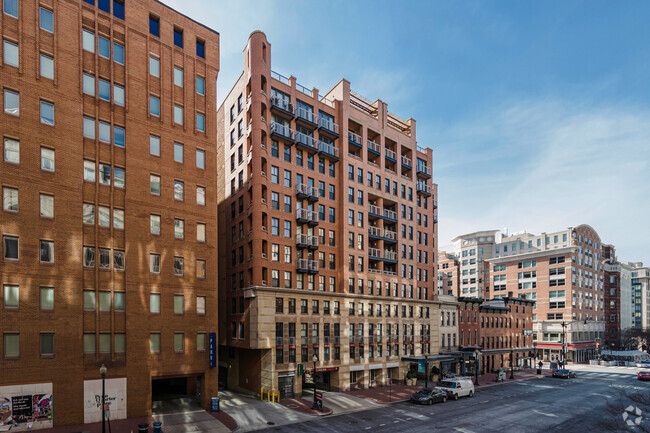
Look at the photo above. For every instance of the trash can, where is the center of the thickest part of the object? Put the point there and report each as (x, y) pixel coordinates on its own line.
(214, 404)
(143, 428)
(539, 371)
(157, 427)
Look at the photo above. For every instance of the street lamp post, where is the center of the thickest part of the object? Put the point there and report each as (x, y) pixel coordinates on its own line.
(477, 357)
(313, 377)
(102, 371)
(564, 342)
(512, 371)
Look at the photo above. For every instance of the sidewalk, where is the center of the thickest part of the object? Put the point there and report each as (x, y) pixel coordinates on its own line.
(304, 406)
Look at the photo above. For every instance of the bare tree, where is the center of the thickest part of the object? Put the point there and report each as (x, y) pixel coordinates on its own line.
(622, 404)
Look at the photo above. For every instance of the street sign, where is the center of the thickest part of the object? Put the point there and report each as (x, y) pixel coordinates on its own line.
(319, 400)
(213, 349)
(299, 369)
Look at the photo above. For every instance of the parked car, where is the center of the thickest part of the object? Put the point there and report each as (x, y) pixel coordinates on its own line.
(459, 387)
(643, 364)
(564, 374)
(643, 375)
(429, 396)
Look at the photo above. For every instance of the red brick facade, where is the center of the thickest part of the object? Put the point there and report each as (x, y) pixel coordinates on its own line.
(99, 278)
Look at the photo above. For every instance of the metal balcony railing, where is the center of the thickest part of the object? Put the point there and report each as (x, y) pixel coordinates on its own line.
(387, 272)
(373, 146)
(375, 209)
(423, 188)
(281, 103)
(306, 140)
(423, 169)
(307, 265)
(374, 252)
(328, 149)
(283, 130)
(303, 113)
(406, 161)
(391, 154)
(374, 271)
(390, 255)
(390, 214)
(390, 235)
(306, 190)
(374, 231)
(328, 125)
(355, 138)
(304, 239)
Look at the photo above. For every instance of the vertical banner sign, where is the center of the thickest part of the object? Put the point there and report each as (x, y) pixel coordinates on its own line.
(213, 349)
(319, 400)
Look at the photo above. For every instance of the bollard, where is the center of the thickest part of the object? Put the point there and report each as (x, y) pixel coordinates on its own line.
(157, 427)
(262, 393)
(143, 428)
(268, 395)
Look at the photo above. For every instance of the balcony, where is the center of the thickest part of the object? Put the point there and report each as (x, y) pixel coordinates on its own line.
(306, 116)
(307, 216)
(279, 341)
(282, 105)
(374, 232)
(306, 141)
(423, 188)
(390, 235)
(328, 150)
(423, 170)
(434, 202)
(283, 132)
(435, 218)
(374, 147)
(305, 265)
(306, 191)
(306, 241)
(377, 212)
(391, 155)
(328, 126)
(374, 253)
(390, 255)
(407, 162)
(355, 139)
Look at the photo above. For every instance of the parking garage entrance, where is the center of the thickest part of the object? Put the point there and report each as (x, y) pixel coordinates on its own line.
(175, 393)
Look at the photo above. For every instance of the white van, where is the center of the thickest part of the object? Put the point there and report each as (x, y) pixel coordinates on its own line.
(458, 387)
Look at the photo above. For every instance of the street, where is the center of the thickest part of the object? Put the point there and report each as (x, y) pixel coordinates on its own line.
(546, 404)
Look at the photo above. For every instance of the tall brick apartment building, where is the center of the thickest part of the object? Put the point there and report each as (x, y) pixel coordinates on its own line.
(328, 213)
(448, 274)
(109, 206)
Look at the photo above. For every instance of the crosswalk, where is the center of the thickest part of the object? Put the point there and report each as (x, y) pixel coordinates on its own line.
(605, 375)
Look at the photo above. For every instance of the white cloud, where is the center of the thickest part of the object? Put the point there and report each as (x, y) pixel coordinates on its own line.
(544, 166)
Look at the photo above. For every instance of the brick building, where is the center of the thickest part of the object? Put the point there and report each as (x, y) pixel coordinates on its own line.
(329, 219)
(448, 274)
(109, 206)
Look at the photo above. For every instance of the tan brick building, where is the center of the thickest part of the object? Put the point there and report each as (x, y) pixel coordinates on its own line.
(448, 274)
(329, 221)
(109, 221)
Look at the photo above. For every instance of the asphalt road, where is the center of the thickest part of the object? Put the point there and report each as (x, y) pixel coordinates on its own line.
(546, 404)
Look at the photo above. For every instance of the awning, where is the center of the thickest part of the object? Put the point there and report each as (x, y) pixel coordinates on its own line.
(433, 358)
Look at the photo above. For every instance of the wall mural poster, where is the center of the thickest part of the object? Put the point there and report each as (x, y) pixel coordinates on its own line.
(5, 411)
(21, 408)
(25, 407)
(42, 407)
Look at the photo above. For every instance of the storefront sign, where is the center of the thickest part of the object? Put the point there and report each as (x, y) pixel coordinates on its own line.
(25, 407)
(323, 370)
(213, 349)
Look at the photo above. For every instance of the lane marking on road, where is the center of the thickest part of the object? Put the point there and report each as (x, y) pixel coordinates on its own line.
(395, 422)
(381, 425)
(367, 428)
(463, 430)
(602, 395)
(545, 414)
(484, 401)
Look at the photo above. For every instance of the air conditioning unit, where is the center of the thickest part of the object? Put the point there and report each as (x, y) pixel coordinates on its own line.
(264, 255)
(263, 228)
(263, 201)
(263, 174)
(264, 282)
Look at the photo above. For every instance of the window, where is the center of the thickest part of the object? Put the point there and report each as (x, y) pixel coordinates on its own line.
(154, 145)
(47, 66)
(11, 294)
(178, 152)
(47, 20)
(11, 102)
(10, 53)
(179, 229)
(10, 246)
(154, 263)
(200, 122)
(47, 206)
(154, 184)
(11, 345)
(154, 106)
(200, 232)
(154, 66)
(154, 26)
(154, 303)
(118, 53)
(12, 151)
(10, 199)
(178, 76)
(179, 269)
(178, 37)
(200, 159)
(89, 257)
(47, 113)
(47, 159)
(200, 305)
(89, 127)
(119, 343)
(200, 195)
(47, 252)
(89, 300)
(179, 193)
(200, 48)
(47, 298)
(104, 174)
(200, 85)
(118, 260)
(11, 8)
(88, 41)
(104, 132)
(200, 342)
(154, 342)
(118, 94)
(103, 47)
(178, 114)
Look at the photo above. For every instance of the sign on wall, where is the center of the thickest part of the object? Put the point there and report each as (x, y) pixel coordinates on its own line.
(115, 399)
(213, 349)
(26, 407)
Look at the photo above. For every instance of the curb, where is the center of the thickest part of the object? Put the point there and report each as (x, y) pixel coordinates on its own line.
(515, 380)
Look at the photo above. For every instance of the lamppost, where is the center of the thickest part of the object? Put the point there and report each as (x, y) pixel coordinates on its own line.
(477, 357)
(564, 342)
(512, 371)
(426, 370)
(313, 378)
(102, 371)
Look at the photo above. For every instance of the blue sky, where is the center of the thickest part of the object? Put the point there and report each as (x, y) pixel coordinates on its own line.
(538, 111)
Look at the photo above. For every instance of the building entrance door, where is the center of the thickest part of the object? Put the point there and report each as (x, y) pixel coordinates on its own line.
(285, 384)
